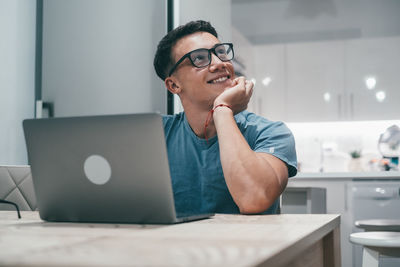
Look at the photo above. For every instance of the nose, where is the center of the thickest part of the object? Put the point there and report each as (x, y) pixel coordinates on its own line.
(216, 63)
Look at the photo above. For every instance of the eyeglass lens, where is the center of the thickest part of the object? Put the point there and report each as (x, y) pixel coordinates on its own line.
(202, 57)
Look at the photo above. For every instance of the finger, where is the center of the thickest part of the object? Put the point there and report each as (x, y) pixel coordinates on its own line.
(240, 79)
(251, 83)
(241, 83)
(249, 87)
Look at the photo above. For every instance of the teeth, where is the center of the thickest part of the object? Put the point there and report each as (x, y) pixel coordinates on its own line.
(222, 79)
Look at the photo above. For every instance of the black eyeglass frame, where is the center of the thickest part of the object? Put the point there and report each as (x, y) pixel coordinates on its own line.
(187, 55)
(11, 203)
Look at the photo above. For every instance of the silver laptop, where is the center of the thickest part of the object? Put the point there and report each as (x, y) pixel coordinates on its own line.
(106, 169)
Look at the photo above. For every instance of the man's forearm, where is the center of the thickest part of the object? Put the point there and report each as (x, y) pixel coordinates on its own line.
(253, 181)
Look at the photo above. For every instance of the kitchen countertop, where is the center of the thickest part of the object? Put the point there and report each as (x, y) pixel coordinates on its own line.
(390, 175)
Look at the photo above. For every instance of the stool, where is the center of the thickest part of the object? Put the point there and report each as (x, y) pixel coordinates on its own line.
(379, 225)
(376, 244)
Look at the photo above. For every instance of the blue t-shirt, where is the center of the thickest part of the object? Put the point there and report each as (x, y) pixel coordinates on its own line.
(197, 178)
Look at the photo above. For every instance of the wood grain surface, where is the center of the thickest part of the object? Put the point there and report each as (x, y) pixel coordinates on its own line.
(223, 240)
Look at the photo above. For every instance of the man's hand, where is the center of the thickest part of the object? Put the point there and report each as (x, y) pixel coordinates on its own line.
(238, 96)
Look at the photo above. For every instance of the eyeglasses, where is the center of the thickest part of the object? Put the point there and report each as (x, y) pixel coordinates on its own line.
(12, 203)
(201, 58)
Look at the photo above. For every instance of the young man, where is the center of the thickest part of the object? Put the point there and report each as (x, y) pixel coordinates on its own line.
(222, 158)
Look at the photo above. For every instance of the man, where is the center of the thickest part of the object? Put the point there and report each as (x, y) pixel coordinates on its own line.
(222, 158)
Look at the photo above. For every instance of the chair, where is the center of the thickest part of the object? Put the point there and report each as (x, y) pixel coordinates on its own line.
(388, 225)
(376, 244)
(391, 225)
(16, 186)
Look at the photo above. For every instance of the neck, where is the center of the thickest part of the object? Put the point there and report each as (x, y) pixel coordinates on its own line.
(197, 117)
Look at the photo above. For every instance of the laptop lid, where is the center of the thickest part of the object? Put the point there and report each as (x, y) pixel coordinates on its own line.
(110, 168)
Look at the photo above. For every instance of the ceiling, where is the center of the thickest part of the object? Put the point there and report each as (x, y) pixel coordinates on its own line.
(285, 21)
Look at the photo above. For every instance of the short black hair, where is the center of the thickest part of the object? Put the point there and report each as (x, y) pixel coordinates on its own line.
(163, 60)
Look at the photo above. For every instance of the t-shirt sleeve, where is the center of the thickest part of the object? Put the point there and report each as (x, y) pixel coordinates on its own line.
(168, 120)
(273, 138)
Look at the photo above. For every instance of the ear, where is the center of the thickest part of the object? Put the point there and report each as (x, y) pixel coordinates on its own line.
(172, 85)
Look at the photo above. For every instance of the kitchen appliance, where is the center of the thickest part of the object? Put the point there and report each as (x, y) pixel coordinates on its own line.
(389, 147)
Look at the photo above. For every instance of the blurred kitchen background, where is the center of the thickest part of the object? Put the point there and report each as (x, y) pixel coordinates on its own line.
(329, 68)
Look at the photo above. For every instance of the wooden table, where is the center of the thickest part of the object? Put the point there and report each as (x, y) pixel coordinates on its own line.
(223, 240)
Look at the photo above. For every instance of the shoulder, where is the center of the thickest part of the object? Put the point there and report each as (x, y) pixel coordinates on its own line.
(250, 121)
(272, 137)
(171, 121)
(168, 119)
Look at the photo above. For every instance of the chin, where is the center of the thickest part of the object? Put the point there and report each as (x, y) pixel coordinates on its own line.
(220, 89)
(228, 84)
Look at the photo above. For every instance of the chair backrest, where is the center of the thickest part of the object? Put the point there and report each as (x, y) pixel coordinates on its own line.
(16, 186)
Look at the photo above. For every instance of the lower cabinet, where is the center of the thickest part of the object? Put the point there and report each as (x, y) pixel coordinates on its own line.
(304, 200)
(337, 202)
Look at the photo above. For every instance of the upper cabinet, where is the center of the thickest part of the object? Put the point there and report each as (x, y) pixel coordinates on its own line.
(270, 87)
(372, 78)
(323, 60)
(353, 79)
(314, 84)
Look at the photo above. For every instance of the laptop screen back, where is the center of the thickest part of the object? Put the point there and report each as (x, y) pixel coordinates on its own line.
(101, 169)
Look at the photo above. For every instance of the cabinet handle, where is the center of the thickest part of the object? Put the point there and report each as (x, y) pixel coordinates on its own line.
(346, 197)
(352, 106)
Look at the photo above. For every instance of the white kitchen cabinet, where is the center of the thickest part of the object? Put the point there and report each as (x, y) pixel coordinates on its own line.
(379, 58)
(270, 63)
(325, 81)
(314, 76)
(300, 200)
(336, 203)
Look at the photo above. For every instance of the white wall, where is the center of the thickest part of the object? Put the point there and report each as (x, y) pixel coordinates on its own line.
(98, 56)
(17, 70)
(218, 13)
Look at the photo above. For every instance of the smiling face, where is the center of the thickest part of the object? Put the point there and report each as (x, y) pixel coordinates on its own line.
(199, 86)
